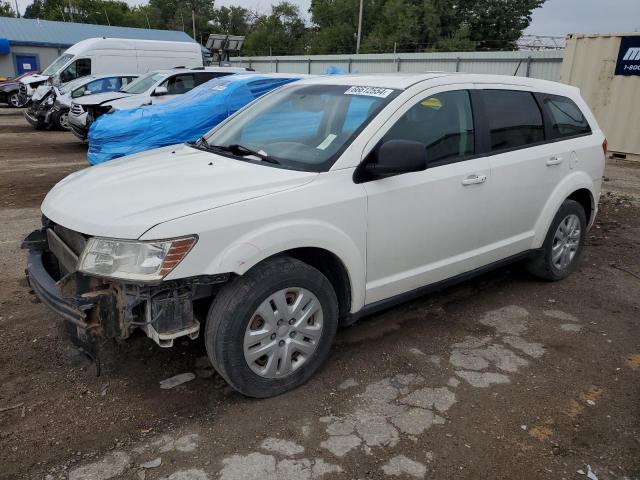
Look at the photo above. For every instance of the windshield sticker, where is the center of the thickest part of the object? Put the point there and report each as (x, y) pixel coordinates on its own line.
(369, 91)
(432, 102)
(327, 141)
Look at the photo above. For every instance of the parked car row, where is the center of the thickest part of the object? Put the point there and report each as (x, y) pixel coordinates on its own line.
(152, 88)
(322, 201)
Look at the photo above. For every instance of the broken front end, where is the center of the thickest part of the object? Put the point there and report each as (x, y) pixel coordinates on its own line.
(100, 307)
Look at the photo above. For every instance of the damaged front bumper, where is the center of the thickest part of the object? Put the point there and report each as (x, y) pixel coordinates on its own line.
(103, 308)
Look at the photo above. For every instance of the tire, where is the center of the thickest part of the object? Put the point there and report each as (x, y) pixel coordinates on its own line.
(545, 263)
(234, 315)
(60, 120)
(14, 100)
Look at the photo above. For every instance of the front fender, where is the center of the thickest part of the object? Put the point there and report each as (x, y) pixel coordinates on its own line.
(568, 185)
(260, 244)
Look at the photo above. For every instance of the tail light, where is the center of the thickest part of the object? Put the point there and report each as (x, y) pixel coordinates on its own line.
(605, 147)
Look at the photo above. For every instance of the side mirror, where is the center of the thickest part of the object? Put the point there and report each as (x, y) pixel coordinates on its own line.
(159, 91)
(87, 92)
(399, 156)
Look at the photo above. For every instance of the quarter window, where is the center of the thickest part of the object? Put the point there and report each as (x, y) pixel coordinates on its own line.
(514, 119)
(567, 119)
(443, 122)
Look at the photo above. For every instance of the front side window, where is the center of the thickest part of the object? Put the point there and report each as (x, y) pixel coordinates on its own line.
(443, 122)
(514, 119)
(303, 126)
(180, 84)
(79, 68)
(111, 84)
(566, 118)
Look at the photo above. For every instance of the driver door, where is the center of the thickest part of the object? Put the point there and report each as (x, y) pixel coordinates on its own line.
(427, 226)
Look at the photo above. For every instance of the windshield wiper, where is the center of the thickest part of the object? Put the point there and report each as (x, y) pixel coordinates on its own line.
(241, 150)
(234, 149)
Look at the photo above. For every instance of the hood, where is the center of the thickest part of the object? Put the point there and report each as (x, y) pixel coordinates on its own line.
(28, 80)
(63, 100)
(41, 92)
(101, 98)
(124, 198)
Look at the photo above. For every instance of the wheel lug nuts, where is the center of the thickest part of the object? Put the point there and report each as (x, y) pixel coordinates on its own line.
(292, 321)
(280, 322)
(292, 334)
(281, 343)
(273, 336)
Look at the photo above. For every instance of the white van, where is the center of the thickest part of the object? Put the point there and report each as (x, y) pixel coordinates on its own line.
(96, 56)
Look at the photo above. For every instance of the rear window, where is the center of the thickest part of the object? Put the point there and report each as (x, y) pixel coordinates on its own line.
(515, 120)
(567, 119)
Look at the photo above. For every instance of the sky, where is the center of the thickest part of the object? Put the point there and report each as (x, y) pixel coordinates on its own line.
(554, 18)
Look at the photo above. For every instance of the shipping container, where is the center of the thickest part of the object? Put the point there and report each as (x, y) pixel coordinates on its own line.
(606, 68)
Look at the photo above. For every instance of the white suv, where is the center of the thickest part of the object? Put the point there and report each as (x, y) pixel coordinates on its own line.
(323, 201)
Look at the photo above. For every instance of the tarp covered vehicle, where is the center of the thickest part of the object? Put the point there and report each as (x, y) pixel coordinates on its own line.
(183, 119)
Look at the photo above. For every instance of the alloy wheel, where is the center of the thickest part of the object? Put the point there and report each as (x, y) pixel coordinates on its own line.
(566, 242)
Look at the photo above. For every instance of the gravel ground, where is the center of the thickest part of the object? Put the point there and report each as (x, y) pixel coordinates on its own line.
(500, 377)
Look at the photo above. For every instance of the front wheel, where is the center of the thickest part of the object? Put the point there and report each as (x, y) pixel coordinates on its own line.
(561, 250)
(61, 120)
(14, 100)
(269, 330)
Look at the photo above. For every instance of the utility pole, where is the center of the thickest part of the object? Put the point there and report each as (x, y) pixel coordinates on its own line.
(105, 14)
(359, 28)
(148, 24)
(17, 9)
(193, 22)
(70, 11)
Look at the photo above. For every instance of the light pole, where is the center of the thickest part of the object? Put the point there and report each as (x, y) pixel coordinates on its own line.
(359, 28)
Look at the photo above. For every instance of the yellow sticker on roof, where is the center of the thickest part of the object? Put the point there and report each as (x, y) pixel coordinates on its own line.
(432, 102)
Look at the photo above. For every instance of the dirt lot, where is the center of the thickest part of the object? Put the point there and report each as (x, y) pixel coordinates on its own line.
(500, 377)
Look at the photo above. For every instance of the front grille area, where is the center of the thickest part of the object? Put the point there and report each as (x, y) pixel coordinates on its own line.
(77, 109)
(74, 240)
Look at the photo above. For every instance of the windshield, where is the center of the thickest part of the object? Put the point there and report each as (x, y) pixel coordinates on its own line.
(57, 64)
(143, 84)
(303, 126)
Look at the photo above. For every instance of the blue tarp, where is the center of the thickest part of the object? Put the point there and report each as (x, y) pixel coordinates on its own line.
(182, 119)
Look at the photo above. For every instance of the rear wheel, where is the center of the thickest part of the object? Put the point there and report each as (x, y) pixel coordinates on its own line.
(563, 244)
(269, 330)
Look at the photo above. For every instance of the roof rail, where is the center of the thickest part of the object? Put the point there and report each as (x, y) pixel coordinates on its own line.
(180, 66)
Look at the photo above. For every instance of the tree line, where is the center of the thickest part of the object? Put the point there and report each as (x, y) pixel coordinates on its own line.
(387, 25)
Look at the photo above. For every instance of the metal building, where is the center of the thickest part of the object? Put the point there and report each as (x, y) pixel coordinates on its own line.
(606, 68)
(30, 44)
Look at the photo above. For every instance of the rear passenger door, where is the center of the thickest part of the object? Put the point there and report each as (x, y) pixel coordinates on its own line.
(525, 166)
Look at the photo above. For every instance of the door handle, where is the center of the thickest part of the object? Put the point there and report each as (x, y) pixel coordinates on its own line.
(474, 179)
(554, 161)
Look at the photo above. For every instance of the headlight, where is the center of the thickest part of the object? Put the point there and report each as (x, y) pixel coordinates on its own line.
(134, 260)
(49, 101)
